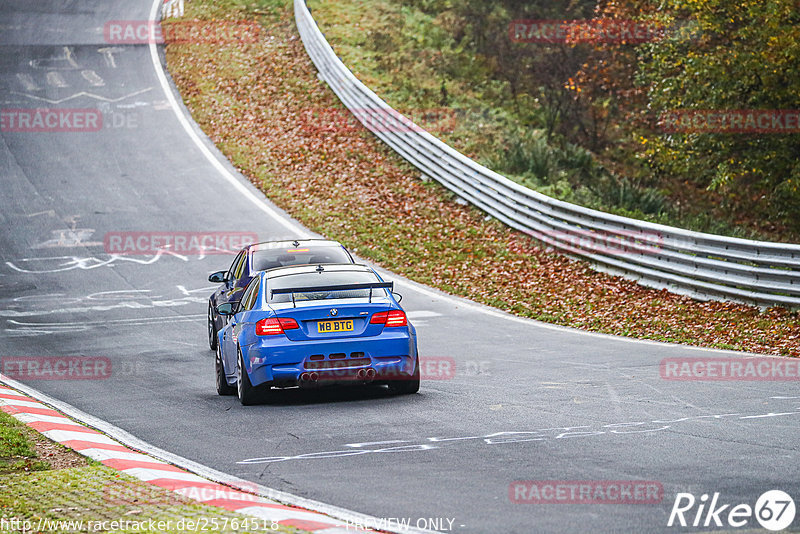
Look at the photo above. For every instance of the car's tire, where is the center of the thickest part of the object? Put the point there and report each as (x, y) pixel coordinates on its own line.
(212, 328)
(409, 385)
(248, 395)
(222, 384)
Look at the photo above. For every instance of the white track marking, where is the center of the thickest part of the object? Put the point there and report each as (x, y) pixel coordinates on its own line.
(27, 82)
(93, 78)
(297, 230)
(39, 418)
(69, 263)
(148, 474)
(67, 435)
(105, 454)
(66, 61)
(56, 80)
(108, 54)
(196, 470)
(26, 404)
(80, 94)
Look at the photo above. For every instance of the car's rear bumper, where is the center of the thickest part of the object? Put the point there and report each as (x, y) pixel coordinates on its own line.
(284, 363)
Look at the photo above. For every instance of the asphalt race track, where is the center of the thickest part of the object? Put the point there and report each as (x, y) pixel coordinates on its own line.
(514, 400)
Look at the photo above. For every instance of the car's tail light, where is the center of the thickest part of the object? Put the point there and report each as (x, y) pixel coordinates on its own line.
(274, 326)
(390, 318)
(396, 318)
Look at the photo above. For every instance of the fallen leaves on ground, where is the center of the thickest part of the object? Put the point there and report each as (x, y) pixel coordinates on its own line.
(264, 106)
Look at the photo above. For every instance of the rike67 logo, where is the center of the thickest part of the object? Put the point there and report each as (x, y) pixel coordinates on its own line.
(774, 510)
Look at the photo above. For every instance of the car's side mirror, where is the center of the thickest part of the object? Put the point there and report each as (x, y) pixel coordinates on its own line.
(217, 277)
(225, 309)
(398, 297)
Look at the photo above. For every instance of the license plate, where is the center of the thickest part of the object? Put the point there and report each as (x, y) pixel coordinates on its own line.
(335, 326)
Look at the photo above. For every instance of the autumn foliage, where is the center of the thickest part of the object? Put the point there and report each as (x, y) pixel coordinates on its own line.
(251, 99)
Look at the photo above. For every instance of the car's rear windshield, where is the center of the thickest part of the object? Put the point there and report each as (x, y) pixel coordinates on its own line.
(273, 258)
(326, 278)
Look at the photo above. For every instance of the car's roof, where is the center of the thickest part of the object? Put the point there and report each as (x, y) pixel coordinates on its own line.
(329, 267)
(293, 243)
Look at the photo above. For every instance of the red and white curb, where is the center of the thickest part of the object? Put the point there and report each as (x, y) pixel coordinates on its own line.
(98, 446)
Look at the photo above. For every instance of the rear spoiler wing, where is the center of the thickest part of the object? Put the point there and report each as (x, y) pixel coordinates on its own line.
(339, 287)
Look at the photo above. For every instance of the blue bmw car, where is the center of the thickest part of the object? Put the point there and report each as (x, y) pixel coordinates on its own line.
(260, 257)
(312, 326)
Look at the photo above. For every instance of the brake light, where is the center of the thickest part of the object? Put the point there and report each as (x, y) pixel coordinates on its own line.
(396, 318)
(390, 318)
(274, 326)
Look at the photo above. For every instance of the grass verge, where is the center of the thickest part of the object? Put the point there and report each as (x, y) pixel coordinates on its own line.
(259, 102)
(46, 487)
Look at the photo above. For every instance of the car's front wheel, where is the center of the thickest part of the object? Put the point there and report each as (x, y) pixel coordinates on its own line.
(408, 385)
(222, 383)
(212, 329)
(248, 395)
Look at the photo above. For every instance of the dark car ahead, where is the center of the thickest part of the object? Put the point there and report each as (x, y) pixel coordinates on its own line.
(263, 257)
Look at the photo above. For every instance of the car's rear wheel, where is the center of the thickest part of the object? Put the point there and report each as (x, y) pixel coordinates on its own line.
(408, 385)
(222, 383)
(212, 329)
(248, 395)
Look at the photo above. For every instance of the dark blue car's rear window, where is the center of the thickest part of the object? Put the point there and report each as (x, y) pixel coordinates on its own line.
(327, 278)
(287, 256)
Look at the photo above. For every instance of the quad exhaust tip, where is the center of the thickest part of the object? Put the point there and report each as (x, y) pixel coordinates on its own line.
(367, 375)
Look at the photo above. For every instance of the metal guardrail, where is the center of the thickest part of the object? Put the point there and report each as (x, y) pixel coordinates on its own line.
(704, 265)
